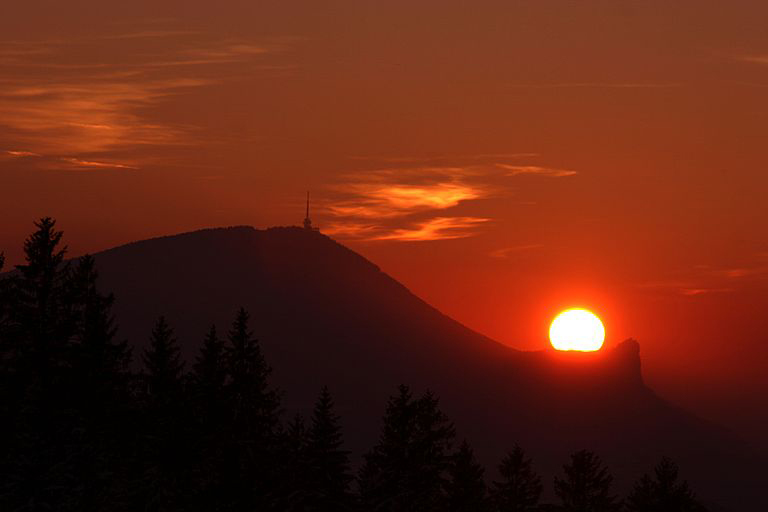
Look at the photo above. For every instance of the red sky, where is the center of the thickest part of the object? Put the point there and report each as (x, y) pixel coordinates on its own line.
(504, 160)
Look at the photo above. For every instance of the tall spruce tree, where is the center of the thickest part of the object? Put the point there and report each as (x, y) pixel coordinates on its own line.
(36, 343)
(327, 462)
(165, 458)
(99, 361)
(164, 367)
(407, 469)
(208, 379)
(40, 327)
(520, 487)
(586, 485)
(208, 398)
(254, 420)
(466, 489)
(664, 492)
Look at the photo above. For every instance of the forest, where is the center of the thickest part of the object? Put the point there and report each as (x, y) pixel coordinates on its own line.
(86, 424)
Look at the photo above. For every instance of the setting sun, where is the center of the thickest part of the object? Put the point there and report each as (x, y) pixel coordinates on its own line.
(577, 329)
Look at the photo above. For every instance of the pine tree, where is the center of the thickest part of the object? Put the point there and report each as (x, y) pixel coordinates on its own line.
(406, 470)
(466, 489)
(664, 493)
(165, 459)
(255, 409)
(208, 378)
(520, 487)
(100, 363)
(328, 464)
(586, 486)
(164, 367)
(36, 342)
(100, 389)
(209, 402)
(40, 329)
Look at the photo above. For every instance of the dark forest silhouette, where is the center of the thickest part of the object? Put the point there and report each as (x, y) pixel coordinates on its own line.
(81, 430)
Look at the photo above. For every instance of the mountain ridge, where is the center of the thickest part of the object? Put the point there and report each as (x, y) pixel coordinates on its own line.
(327, 315)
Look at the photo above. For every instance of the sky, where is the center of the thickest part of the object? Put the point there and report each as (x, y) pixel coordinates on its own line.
(504, 160)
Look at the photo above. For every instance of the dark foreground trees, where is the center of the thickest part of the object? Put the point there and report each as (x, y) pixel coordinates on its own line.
(663, 492)
(83, 428)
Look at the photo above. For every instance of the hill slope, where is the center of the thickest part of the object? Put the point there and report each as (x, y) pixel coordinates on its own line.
(326, 315)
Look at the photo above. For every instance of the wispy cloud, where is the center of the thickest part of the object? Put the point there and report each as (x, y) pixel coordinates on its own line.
(67, 103)
(437, 228)
(506, 252)
(598, 85)
(754, 59)
(535, 170)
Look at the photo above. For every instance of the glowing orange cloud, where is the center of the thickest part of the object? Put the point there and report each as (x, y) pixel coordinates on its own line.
(439, 228)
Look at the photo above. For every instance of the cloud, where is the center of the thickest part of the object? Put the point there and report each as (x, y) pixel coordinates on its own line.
(535, 170)
(438, 228)
(505, 252)
(600, 85)
(754, 59)
(67, 102)
(376, 200)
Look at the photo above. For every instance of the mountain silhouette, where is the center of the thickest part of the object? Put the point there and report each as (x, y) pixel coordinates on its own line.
(327, 316)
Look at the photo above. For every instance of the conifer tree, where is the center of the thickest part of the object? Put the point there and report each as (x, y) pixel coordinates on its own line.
(520, 487)
(466, 489)
(586, 486)
(165, 457)
(406, 470)
(100, 363)
(663, 493)
(209, 402)
(254, 415)
(328, 463)
(164, 367)
(36, 341)
(209, 375)
(39, 326)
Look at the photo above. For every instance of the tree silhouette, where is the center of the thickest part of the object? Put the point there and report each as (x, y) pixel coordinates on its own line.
(39, 327)
(208, 378)
(36, 342)
(663, 493)
(406, 470)
(466, 489)
(163, 366)
(254, 416)
(208, 396)
(165, 460)
(586, 486)
(520, 487)
(328, 463)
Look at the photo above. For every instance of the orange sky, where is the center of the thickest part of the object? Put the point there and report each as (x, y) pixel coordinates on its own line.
(504, 160)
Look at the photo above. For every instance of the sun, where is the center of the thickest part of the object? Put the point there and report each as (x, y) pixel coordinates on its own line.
(577, 329)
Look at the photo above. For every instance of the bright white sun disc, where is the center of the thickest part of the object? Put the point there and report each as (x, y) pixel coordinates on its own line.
(577, 329)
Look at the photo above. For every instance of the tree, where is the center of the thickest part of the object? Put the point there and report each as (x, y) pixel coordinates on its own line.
(406, 470)
(520, 487)
(208, 398)
(100, 363)
(255, 404)
(165, 458)
(163, 366)
(328, 463)
(39, 327)
(254, 419)
(586, 486)
(208, 378)
(466, 489)
(664, 493)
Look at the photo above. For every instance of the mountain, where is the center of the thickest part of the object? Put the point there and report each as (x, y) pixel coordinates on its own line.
(326, 315)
